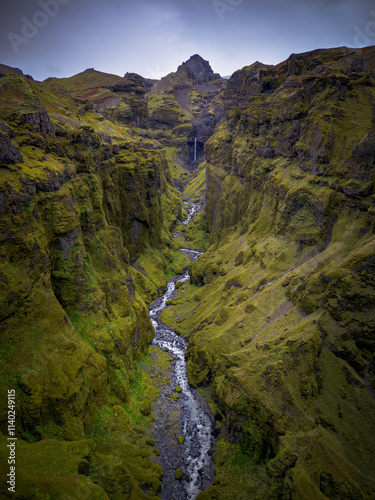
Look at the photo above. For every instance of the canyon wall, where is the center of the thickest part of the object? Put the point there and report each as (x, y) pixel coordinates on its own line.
(280, 313)
(82, 197)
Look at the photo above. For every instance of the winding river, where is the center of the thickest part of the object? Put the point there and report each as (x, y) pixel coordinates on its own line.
(196, 424)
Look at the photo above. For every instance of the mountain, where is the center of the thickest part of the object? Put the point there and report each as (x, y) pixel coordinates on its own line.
(199, 67)
(86, 202)
(279, 310)
(187, 104)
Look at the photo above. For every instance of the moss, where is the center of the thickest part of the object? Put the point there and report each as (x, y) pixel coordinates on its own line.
(67, 294)
(178, 474)
(279, 312)
(286, 280)
(60, 463)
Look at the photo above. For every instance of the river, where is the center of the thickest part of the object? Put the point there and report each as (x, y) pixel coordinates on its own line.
(188, 415)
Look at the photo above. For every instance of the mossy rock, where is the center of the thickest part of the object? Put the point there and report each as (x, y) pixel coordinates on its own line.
(145, 408)
(178, 474)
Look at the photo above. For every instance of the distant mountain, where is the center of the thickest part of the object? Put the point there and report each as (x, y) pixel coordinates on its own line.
(5, 70)
(185, 105)
(200, 68)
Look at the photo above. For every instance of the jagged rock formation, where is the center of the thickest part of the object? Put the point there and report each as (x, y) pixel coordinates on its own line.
(200, 68)
(283, 325)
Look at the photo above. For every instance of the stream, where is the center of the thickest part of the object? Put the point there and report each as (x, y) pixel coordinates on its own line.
(188, 416)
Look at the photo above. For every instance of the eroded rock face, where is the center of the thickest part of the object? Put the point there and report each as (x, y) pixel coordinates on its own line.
(8, 152)
(289, 349)
(200, 68)
(76, 206)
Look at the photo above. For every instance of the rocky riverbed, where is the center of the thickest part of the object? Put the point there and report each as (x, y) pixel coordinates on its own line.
(184, 429)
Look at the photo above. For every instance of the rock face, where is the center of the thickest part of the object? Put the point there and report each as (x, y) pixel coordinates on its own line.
(80, 196)
(186, 105)
(4, 70)
(283, 325)
(8, 152)
(200, 68)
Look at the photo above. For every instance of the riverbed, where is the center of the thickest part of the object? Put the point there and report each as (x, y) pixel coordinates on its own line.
(184, 428)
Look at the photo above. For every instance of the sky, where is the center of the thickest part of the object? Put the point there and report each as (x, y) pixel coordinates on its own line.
(61, 38)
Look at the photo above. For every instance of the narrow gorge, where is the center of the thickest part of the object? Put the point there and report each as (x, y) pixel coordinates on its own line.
(190, 419)
(187, 282)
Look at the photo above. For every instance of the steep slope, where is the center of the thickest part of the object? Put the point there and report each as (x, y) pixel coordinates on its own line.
(280, 312)
(83, 194)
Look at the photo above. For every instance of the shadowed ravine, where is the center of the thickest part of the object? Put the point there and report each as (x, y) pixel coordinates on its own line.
(196, 425)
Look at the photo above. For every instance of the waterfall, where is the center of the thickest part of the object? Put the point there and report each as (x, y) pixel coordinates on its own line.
(195, 150)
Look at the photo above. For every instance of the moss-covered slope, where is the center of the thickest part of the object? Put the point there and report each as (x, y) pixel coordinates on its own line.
(280, 310)
(83, 195)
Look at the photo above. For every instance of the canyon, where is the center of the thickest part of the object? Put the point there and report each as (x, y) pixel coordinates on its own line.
(107, 185)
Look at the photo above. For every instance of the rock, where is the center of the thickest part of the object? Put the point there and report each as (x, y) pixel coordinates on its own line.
(8, 152)
(199, 67)
(178, 474)
(5, 70)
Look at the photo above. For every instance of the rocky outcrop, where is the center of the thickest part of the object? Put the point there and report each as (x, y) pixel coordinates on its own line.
(132, 106)
(8, 152)
(186, 105)
(200, 68)
(5, 70)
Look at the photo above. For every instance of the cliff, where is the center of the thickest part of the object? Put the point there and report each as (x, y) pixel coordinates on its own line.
(280, 312)
(83, 195)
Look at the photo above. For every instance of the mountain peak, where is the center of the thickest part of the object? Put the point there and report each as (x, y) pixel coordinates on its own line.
(199, 66)
(4, 70)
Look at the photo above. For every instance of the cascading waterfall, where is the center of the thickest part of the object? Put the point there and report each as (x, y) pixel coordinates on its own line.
(192, 209)
(195, 150)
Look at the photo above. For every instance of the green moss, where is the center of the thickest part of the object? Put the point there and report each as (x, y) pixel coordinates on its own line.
(279, 312)
(178, 474)
(287, 273)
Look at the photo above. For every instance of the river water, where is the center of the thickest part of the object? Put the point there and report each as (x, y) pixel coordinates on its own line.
(196, 424)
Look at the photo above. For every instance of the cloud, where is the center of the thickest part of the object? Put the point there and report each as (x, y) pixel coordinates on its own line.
(120, 35)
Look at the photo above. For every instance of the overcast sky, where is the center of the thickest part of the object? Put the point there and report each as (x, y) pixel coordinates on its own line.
(152, 37)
